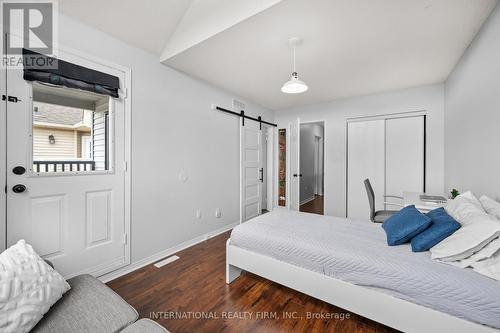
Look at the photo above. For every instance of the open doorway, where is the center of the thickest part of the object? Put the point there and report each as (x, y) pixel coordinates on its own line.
(312, 167)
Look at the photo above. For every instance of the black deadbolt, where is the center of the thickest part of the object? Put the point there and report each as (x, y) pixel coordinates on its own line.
(19, 170)
(19, 188)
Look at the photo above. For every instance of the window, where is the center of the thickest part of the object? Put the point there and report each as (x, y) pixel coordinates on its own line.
(70, 130)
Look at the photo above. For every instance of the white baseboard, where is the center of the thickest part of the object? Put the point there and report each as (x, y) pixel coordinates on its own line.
(165, 253)
(307, 200)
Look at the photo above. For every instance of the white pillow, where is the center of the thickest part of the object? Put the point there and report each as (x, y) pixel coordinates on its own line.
(465, 208)
(478, 230)
(490, 206)
(28, 288)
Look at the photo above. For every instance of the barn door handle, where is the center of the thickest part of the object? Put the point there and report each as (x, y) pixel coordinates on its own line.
(19, 188)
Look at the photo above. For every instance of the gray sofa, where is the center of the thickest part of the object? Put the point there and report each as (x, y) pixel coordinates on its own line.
(90, 306)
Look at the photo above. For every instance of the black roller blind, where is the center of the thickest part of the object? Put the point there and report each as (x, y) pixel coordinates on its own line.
(63, 73)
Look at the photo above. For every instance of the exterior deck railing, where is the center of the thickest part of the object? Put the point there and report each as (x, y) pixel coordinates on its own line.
(63, 165)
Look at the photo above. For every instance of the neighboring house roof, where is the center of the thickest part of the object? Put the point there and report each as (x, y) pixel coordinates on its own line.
(57, 114)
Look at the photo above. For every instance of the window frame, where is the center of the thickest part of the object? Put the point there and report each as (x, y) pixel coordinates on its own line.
(109, 143)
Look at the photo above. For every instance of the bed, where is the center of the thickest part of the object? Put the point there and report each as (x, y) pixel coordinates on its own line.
(348, 264)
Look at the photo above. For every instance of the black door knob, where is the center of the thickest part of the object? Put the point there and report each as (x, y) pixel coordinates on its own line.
(19, 188)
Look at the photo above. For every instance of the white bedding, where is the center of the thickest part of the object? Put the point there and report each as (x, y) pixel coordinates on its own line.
(356, 252)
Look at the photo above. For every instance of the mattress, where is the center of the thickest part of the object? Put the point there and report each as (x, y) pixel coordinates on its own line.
(357, 252)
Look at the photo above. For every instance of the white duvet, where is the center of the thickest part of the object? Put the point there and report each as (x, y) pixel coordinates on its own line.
(357, 252)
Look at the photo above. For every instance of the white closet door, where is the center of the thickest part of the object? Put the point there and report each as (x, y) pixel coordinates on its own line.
(404, 155)
(365, 158)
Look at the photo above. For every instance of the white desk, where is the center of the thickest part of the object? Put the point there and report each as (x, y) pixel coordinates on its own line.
(413, 198)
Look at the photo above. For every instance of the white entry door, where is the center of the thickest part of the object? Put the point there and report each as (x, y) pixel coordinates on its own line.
(295, 175)
(251, 170)
(70, 209)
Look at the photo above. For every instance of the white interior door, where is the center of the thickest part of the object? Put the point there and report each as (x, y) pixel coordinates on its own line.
(404, 155)
(294, 198)
(251, 172)
(76, 219)
(365, 159)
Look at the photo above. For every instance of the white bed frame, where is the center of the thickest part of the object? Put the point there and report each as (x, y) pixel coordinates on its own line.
(383, 308)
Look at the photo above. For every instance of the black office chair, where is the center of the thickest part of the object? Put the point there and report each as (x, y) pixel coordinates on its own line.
(381, 215)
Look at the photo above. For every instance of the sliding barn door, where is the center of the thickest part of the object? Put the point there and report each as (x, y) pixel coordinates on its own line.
(251, 170)
(365, 159)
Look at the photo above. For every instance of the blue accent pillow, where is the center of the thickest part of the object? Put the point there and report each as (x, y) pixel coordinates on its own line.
(443, 225)
(404, 225)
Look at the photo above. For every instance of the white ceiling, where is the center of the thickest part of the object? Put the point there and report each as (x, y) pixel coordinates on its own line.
(146, 24)
(350, 47)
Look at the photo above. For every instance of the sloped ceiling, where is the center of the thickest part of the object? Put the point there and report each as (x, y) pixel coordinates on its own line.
(349, 48)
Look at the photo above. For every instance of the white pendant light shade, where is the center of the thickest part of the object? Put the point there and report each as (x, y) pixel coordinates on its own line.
(294, 86)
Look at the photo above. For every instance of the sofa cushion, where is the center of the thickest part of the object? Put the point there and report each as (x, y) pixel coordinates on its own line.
(145, 326)
(89, 306)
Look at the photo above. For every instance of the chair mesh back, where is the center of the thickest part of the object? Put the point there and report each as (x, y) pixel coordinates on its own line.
(371, 198)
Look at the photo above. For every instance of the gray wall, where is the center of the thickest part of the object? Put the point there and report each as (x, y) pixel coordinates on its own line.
(472, 116)
(335, 115)
(308, 132)
(174, 130)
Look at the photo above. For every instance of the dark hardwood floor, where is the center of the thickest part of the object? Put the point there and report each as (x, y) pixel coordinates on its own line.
(177, 294)
(315, 206)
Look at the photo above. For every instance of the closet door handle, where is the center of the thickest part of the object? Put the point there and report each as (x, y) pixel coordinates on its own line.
(261, 175)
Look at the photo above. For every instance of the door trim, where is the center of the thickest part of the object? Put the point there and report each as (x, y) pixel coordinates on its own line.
(88, 60)
(325, 174)
(3, 160)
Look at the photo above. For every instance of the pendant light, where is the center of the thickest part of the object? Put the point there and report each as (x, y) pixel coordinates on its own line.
(294, 86)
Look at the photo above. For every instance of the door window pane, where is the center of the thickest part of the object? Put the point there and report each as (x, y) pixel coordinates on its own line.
(70, 130)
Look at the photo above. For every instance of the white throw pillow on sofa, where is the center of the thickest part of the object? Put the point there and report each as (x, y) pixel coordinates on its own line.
(491, 206)
(28, 288)
(478, 230)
